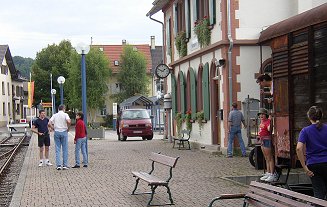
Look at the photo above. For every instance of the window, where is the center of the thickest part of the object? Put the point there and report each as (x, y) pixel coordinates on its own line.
(103, 111)
(204, 8)
(159, 85)
(116, 63)
(9, 109)
(4, 108)
(8, 89)
(4, 69)
(17, 91)
(3, 88)
(168, 37)
(17, 109)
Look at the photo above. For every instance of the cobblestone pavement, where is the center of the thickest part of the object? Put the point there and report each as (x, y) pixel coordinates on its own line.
(197, 178)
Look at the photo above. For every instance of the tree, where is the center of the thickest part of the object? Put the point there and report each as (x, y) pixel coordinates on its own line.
(23, 65)
(97, 75)
(51, 60)
(132, 75)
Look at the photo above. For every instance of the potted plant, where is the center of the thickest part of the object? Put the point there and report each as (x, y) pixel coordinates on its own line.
(188, 117)
(181, 44)
(94, 130)
(200, 119)
(179, 122)
(202, 31)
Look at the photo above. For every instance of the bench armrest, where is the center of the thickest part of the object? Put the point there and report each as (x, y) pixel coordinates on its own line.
(227, 196)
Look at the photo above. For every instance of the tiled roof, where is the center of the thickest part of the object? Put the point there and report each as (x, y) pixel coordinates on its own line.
(5, 53)
(3, 50)
(113, 52)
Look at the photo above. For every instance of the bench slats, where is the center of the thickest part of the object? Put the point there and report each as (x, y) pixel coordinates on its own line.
(149, 178)
(264, 200)
(275, 196)
(163, 159)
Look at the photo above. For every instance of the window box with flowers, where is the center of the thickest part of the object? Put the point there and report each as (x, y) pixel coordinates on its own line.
(200, 119)
(202, 31)
(181, 43)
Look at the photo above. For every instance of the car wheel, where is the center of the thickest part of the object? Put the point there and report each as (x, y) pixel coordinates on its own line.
(144, 138)
(150, 137)
(122, 137)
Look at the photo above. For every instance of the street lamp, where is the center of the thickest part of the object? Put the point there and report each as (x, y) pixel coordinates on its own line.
(53, 96)
(61, 81)
(83, 49)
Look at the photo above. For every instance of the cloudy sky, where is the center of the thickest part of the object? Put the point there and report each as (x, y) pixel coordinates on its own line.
(29, 26)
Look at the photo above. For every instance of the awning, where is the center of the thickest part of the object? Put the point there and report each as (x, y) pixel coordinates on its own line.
(157, 6)
(311, 17)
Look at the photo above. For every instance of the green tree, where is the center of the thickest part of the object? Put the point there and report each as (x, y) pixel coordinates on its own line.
(23, 65)
(132, 75)
(97, 75)
(51, 60)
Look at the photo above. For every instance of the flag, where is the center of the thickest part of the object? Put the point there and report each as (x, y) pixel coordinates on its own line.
(30, 87)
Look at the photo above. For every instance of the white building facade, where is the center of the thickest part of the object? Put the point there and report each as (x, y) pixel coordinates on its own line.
(209, 77)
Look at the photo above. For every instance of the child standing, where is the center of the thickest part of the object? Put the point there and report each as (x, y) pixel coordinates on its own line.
(80, 140)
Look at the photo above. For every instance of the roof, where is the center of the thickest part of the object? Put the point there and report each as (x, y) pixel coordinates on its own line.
(156, 56)
(5, 53)
(157, 6)
(136, 100)
(113, 52)
(311, 17)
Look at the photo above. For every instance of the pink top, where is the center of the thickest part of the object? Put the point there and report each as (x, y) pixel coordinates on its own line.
(263, 128)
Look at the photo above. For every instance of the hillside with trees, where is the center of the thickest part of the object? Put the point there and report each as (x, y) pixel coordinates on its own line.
(23, 65)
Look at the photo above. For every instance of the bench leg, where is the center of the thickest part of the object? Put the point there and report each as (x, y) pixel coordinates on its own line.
(137, 182)
(170, 197)
(153, 188)
(189, 146)
(174, 143)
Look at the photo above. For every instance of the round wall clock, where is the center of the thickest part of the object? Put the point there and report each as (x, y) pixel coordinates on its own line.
(162, 71)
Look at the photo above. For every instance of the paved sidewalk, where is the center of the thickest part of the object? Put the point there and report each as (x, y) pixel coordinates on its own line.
(197, 178)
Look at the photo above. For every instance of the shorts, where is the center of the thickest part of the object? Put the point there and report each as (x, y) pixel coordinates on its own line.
(266, 143)
(44, 140)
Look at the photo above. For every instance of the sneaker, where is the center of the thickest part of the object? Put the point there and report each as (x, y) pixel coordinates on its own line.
(84, 165)
(76, 166)
(65, 168)
(58, 168)
(41, 164)
(48, 163)
(265, 176)
(271, 178)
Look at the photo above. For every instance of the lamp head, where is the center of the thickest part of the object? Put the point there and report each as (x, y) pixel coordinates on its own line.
(82, 48)
(53, 91)
(220, 62)
(61, 79)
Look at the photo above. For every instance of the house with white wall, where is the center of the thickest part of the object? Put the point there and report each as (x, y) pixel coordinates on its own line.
(212, 47)
(11, 91)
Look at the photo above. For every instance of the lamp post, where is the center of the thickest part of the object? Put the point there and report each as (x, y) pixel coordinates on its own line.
(61, 81)
(53, 96)
(83, 49)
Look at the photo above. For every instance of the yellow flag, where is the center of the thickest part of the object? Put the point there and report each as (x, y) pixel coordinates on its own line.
(30, 88)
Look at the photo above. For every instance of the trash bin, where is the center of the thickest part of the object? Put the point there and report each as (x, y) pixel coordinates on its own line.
(114, 124)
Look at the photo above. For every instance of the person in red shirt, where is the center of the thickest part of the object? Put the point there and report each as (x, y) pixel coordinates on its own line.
(266, 145)
(80, 140)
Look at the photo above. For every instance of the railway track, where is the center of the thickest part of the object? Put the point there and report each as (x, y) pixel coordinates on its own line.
(12, 154)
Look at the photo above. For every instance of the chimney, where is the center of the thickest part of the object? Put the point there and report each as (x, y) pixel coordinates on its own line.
(153, 43)
(123, 42)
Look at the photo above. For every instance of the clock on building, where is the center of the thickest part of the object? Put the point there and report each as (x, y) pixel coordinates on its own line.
(162, 71)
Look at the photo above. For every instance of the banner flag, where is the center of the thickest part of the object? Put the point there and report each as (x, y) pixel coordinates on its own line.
(30, 88)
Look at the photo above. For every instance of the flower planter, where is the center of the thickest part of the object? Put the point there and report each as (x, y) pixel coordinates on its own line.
(95, 133)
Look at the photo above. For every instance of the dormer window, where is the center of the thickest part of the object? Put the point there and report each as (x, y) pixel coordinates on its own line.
(116, 63)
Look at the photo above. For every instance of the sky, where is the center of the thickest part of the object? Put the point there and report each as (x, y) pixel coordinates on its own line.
(29, 26)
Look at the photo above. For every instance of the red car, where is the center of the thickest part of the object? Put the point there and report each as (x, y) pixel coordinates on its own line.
(134, 123)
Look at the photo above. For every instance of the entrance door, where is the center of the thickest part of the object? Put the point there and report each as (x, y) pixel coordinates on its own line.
(215, 115)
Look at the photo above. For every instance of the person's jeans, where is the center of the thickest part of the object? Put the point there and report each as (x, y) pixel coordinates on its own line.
(61, 141)
(81, 145)
(319, 180)
(235, 131)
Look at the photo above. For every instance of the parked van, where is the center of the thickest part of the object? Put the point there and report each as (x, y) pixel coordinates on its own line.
(135, 123)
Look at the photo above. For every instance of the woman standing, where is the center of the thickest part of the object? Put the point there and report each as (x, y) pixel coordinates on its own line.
(80, 140)
(266, 145)
(313, 142)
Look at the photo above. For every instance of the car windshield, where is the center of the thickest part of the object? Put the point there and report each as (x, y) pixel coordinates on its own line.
(135, 114)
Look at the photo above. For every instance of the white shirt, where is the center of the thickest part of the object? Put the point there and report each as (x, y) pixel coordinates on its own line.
(59, 121)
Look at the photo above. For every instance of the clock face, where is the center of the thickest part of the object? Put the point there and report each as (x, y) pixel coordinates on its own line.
(162, 71)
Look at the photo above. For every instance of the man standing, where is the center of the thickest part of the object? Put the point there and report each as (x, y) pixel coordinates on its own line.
(41, 124)
(60, 122)
(235, 119)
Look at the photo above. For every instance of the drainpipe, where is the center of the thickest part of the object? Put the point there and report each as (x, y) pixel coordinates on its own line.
(230, 39)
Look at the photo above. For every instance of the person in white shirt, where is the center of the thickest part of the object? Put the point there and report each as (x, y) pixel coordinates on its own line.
(60, 123)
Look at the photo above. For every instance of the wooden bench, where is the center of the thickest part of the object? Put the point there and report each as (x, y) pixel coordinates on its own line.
(154, 181)
(186, 134)
(261, 194)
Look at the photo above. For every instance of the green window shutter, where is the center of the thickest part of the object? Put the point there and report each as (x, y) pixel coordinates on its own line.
(173, 95)
(193, 92)
(182, 87)
(187, 19)
(205, 91)
(175, 19)
(195, 10)
(212, 11)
